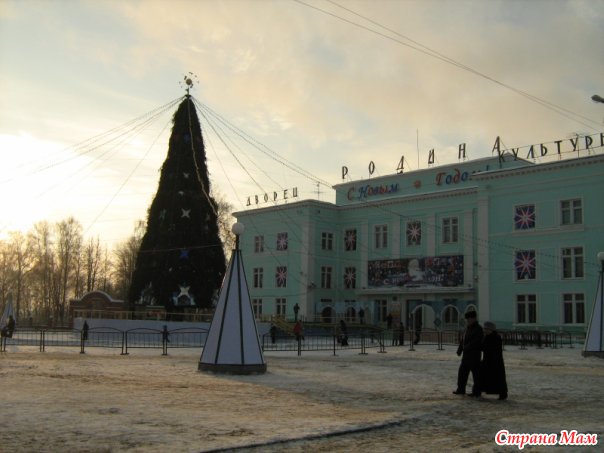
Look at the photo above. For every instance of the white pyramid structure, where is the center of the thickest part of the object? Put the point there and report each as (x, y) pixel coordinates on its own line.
(594, 341)
(232, 345)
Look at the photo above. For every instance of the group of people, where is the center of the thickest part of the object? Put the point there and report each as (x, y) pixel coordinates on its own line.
(481, 351)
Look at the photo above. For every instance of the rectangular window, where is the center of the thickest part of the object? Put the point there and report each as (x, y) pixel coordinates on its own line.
(524, 217)
(257, 307)
(571, 212)
(414, 233)
(381, 236)
(258, 244)
(350, 277)
(350, 240)
(572, 262)
(525, 265)
(327, 241)
(258, 277)
(281, 277)
(450, 230)
(326, 277)
(526, 309)
(282, 241)
(280, 306)
(574, 308)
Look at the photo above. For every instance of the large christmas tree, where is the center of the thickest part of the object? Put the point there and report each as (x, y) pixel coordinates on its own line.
(181, 262)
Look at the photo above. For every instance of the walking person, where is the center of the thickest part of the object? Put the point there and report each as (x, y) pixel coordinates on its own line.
(492, 368)
(470, 349)
(296, 310)
(343, 333)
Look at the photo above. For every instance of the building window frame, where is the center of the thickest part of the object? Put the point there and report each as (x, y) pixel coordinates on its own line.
(572, 263)
(326, 240)
(573, 308)
(526, 309)
(258, 277)
(259, 244)
(326, 274)
(571, 212)
(257, 308)
(380, 236)
(450, 230)
(281, 307)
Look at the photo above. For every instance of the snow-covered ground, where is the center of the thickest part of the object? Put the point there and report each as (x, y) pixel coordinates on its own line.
(101, 401)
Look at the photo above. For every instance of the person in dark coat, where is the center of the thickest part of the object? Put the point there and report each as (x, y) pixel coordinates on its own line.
(470, 349)
(85, 331)
(343, 333)
(165, 335)
(9, 328)
(492, 368)
(273, 333)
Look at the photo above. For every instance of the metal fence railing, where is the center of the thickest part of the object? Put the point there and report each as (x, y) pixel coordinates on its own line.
(315, 340)
(324, 342)
(107, 337)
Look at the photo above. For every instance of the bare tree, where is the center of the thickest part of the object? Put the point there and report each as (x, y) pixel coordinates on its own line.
(92, 262)
(68, 248)
(21, 262)
(40, 243)
(5, 272)
(125, 255)
(225, 221)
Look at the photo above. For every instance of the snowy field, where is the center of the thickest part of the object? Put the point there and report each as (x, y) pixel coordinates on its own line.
(102, 401)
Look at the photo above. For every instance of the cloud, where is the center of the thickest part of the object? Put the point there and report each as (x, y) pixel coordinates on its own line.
(315, 89)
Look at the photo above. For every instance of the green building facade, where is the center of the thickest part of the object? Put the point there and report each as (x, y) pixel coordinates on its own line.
(515, 240)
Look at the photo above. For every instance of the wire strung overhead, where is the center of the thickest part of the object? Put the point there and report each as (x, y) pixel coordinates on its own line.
(403, 40)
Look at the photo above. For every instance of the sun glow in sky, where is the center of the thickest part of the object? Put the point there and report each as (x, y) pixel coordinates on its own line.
(306, 79)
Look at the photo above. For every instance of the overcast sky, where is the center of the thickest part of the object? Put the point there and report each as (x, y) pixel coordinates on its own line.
(309, 80)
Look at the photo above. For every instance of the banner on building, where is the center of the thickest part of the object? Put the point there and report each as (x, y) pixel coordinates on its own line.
(436, 271)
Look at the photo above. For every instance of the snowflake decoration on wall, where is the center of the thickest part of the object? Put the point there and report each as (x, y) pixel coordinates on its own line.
(350, 277)
(281, 241)
(524, 217)
(350, 240)
(414, 233)
(525, 265)
(281, 276)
